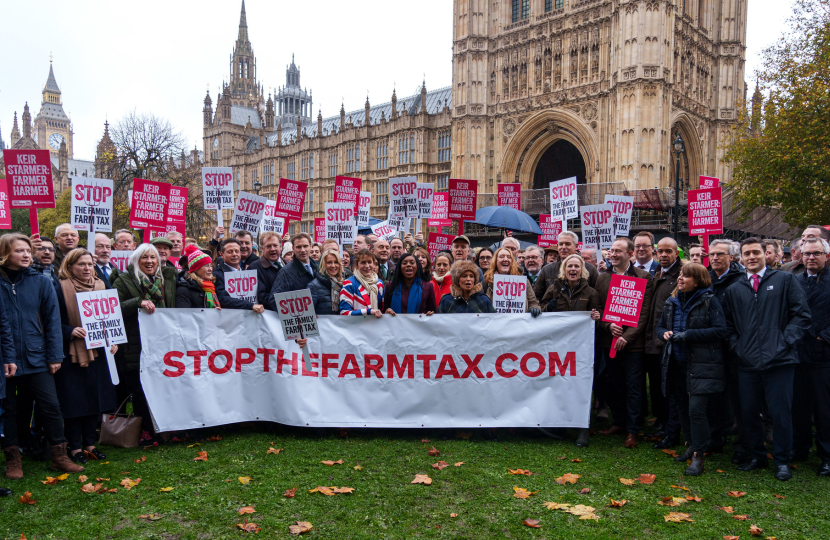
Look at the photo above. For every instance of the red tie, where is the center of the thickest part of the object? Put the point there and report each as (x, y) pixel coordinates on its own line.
(755, 282)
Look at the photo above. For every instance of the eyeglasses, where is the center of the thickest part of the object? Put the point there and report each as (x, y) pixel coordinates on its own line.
(716, 254)
(815, 254)
(47, 250)
(642, 246)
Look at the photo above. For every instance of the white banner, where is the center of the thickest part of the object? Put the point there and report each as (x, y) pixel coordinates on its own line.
(120, 259)
(597, 226)
(248, 212)
(341, 223)
(403, 197)
(270, 222)
(91, 204)
(563, 199)
(363, 209)
(217, 188)
(242, 285)
(207, 367)
(510, 293)
(101, 318)
(385, 231)
(622, 207)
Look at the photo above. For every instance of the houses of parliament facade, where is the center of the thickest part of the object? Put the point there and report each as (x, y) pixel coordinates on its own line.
(541, 90)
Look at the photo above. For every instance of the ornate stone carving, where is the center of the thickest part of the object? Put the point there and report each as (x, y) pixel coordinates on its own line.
(552, 128)
(589, 112)
(509, 127)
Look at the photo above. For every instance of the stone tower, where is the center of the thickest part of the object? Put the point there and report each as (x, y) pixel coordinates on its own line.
(52, 124)
(597, 89)
(243, 82)
(293, 102)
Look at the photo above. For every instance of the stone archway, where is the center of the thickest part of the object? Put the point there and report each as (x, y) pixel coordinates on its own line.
(691, 161)
(537, 134)
(561, 160)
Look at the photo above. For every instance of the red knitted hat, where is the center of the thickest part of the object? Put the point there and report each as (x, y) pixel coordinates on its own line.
(196, 258)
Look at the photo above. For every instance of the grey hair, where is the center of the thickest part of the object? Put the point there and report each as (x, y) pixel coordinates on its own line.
(731, 248)
(174, 233)
(570, 234)
(510, 239)
(737, 247)
(537, 249)
(824, 245)
(128, 231)
(795, 244)
(139, 252)
(61, 226)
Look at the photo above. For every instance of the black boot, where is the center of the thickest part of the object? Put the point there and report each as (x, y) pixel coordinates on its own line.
(5, 492)
(696, 467)
(685, 456)
(664, 443)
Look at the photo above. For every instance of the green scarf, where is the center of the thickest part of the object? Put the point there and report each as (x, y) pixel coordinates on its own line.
(153, 290)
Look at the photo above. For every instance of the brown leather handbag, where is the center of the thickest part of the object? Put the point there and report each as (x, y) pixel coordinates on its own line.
(121, 430)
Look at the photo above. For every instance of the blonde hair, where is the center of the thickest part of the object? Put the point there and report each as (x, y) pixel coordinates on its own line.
(6, 245)
(139, 252)
(336, 255)
(584, 274)
(514, 267)
(72, 258)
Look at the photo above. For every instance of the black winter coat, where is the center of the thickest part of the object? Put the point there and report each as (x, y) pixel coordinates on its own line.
(266, 274)
(7, 353)
(812, 351)
(293, 277)
(704, 331)
(719, 286)
(225, 299)
(320, 288)
(765, 327)
(82, 391)
(189, 294)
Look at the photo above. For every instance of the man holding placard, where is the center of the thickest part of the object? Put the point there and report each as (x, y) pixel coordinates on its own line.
(298, 273)
(623, 347)
(233, 284)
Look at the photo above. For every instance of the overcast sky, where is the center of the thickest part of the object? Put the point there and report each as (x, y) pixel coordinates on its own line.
(160, 56)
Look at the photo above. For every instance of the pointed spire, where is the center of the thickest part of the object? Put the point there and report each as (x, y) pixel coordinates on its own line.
(51, 82)
(243, 25)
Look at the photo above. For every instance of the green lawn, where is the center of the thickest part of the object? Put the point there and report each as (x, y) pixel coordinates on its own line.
(207, 495)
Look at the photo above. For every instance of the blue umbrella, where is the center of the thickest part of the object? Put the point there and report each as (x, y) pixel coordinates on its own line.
(504, 217)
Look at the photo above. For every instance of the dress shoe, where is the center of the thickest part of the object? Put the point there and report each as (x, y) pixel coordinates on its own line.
(685, 456)
(582, 438)
(695, 468)
(78, 457)
(665, 443)
(630, 441)
(824, 468)
(5, 492)
(95, 454)
(754, 463)
(613, 430)
(782, 472)
(739, 458)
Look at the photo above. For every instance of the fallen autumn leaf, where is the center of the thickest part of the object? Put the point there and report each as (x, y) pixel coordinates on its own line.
(26, 498)
(532, 523)
(290, 492)
(647, 478)
(568, 478)
(422, 479)
(522, 493)
(441, 465)
(300, 527)
(677, 517)
(246, 510)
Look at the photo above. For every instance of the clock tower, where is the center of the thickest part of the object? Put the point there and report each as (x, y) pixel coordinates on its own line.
(52, 125)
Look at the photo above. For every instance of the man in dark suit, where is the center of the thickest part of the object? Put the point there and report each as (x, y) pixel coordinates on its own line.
(644, 252)
(104, 269)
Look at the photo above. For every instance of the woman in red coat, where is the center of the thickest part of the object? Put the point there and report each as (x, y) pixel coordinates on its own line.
(441, 278)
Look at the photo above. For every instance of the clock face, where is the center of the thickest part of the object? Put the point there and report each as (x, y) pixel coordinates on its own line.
(55, 140)
(216, 142)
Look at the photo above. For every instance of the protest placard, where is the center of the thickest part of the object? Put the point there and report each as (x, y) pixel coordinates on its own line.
(149, 206)
(597, 225)
(622, 205)
(171, 227)
(425, 191)
(217, 188)
(440, 210)
(341, 224)
(297, 317)
(120, 259)
(624, 302)
(101, 318)
(270, 222)
(347, 190)
(437, 242)
(510, 195)
(290, 199)
(177, 205)
(242, 285)
(5, 205)
(363, 209)
(384, 230)
(550, 230)
(90, 205)
(403, 197)
(401, 224)
(510, 293)
(563, 200)
(705, 211)
(708, 182)
(462, 195)
(29, 177)
(319, 230)
(247, 213)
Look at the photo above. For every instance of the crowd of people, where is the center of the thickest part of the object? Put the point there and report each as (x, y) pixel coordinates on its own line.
(739, 347)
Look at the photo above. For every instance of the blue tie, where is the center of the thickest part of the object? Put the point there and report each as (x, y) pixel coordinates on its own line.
(106, 272)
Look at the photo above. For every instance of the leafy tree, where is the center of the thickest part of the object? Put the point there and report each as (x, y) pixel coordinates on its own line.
(781, 157)
(50, 218)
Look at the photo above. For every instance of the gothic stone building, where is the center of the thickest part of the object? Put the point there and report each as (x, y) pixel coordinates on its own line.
(541, 90)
